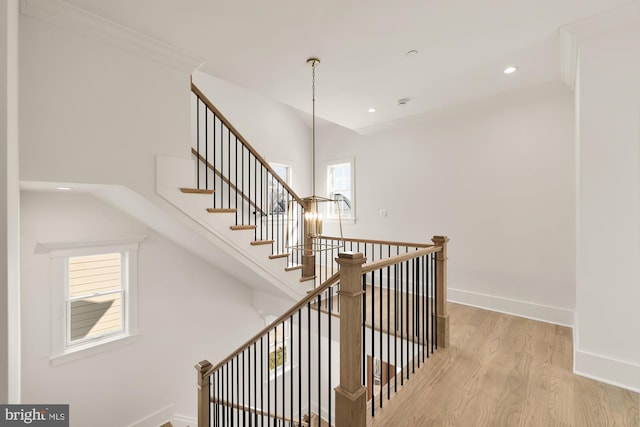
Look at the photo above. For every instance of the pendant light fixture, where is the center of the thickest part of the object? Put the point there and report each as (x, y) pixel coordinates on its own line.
(314, 205)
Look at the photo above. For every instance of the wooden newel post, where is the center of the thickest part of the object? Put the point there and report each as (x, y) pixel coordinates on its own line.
(351, 395)
(441, 291)
(204, 394)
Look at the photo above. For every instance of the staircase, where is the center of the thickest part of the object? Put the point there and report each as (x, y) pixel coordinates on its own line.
(176, 182)
(369, 312)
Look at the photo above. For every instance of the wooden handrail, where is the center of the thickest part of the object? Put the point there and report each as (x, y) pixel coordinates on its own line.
(299, 305)
(257, 411)
(225, 179)
(386, 262)
(366, 268)
(379, 242)
(252, 150)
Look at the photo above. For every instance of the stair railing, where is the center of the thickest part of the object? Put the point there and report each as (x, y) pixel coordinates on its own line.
(363, 332)
(326, 264)
(243, 182)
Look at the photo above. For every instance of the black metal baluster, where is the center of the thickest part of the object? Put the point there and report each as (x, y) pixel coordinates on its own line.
(284, 360)
(261, 382)
(198, 142)
(244, 413)
(309, 356)
(299, 367)
(407, 303)
(401, 326)
(241, 207)
(269, 378)
(227, 399)
(416, 310)
(262, 206)
(248, 383)
(255, 381)
(389, 327)
(229, 168)
(434, 309)
(418, 307)
(206, 148)
(319, 356)
(373, 341)
(380, 331)
(213, 152)
(291, 368)
(330, 356)
(364, 330)
(425, 319)
(272, 209)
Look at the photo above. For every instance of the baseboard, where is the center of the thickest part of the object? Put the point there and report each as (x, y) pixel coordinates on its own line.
(604, 369)
(184, 421)
(543, 313)
(159, 417)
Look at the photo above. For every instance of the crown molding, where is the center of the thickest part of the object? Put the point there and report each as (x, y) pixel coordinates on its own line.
(573, 34)
(73, 18)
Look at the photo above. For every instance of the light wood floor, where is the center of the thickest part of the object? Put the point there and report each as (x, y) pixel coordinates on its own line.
(502, 370)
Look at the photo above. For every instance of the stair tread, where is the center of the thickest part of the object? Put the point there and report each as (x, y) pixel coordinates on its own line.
(307, 278)
(293, 267)
(188, 190)
(221, 210)
(275, 256)
(243, 227)
(261, 242)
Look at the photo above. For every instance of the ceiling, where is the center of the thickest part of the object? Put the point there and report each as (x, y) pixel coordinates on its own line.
(463, 47)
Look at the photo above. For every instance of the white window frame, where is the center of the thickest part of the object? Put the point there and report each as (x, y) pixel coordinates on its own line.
(351, 218)
(287, 179)
(62, 350)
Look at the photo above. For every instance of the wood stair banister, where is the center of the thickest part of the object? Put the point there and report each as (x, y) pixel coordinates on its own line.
(303, 302)
(252, 150)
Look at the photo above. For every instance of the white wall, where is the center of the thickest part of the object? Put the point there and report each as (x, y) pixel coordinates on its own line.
(608, 253)
(498, 181)
(102, 113)
(273, 129)
(9, 206)
(186, 308)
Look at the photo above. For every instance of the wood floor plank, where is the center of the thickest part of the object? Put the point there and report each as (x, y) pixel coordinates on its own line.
(503, 370)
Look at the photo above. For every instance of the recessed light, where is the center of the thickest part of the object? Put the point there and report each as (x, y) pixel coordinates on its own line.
(63, 188)
(510, 69)
(412, 52)
(403, 101)
(372, 110)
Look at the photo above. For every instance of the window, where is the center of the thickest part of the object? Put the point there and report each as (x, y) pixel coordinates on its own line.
(96, 295)
(279, 343)
(340, 184)
(277, 193)
(94, 303)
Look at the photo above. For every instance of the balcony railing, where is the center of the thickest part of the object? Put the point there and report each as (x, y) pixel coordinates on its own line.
(356, 338)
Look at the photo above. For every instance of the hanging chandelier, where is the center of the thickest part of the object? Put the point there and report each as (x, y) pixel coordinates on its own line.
(315, 206)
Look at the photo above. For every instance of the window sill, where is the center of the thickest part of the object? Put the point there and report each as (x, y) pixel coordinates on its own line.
(350, 220)
(279, 373)
(86, 351)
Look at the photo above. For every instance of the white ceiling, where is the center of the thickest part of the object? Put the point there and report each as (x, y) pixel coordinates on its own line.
(463, 46)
